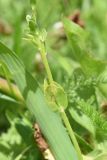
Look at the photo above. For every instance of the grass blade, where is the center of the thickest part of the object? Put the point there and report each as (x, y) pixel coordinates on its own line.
(49, 122)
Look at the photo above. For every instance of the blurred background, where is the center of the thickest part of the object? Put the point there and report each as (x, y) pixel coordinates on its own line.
(89, 14)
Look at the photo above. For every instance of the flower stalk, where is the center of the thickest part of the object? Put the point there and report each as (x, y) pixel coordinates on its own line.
(38, 38)
(45, 62)
(62, 112)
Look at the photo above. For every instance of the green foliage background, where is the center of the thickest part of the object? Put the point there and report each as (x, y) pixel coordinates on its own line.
(78, 65)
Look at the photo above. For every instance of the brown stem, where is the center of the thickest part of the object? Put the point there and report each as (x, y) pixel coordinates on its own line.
(42, 144)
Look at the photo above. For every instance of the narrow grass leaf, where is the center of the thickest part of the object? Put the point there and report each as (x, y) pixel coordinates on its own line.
(49, 122)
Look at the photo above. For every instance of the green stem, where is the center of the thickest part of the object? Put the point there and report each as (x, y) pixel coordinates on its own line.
(62, 112)
(45, 62)
(71, 133)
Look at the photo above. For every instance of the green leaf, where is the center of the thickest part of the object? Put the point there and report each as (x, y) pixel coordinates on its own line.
(86, 147)
(83, 120)
(25, 131)
(56, 135)
(78, 40)
(55, 95)
(7, 98)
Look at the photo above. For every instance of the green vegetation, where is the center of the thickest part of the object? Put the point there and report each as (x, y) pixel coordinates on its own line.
(53, 68)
